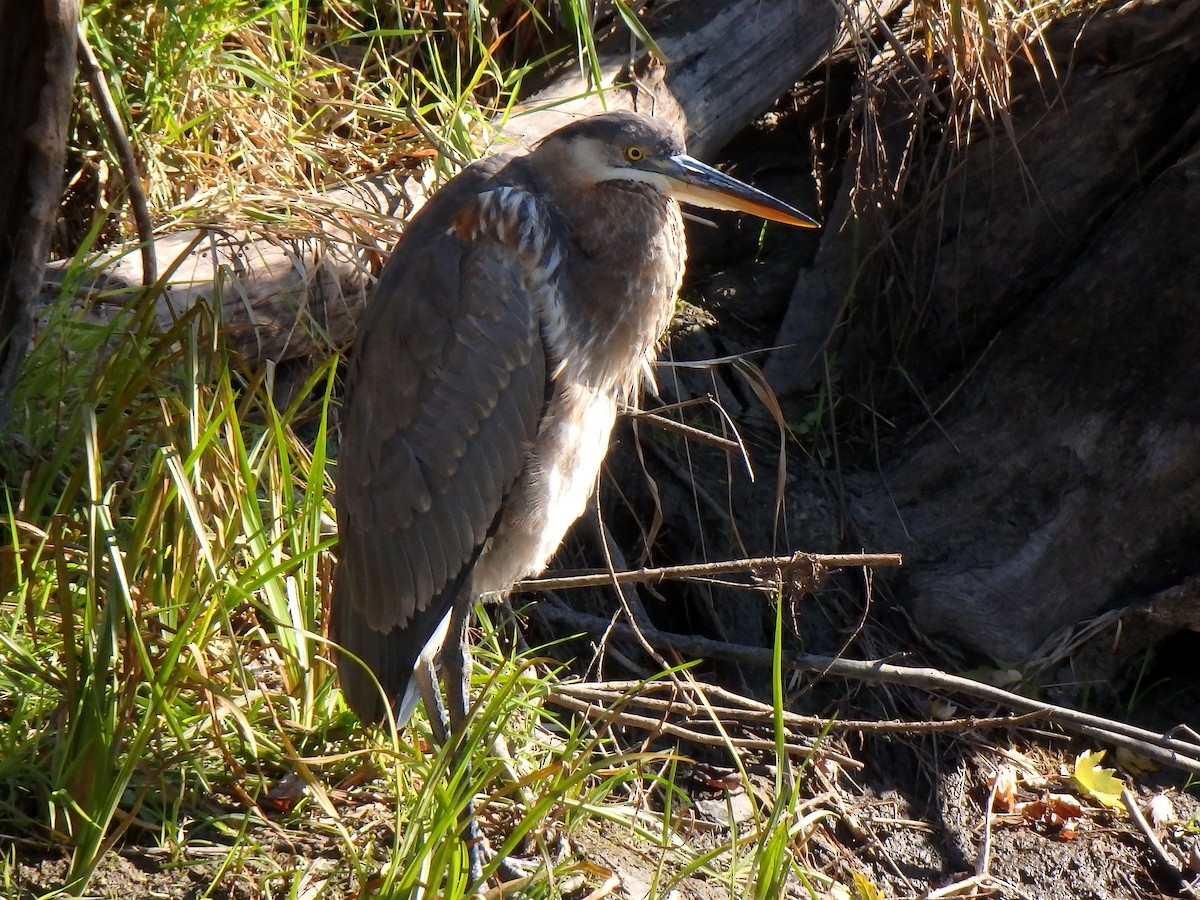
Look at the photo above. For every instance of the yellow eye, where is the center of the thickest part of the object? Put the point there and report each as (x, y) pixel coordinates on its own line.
(635, 154)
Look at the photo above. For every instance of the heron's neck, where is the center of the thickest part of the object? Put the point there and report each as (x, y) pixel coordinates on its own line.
(618, 282)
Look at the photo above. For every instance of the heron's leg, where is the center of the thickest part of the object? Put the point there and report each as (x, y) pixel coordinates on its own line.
(427, 687)
(455, 666)
(456, 661)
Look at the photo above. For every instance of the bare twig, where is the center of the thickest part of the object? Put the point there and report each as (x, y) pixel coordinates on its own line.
(752, 712)
(696, 434)
(129, 167)
(983, 863)
(610, 717)
(1167, 751)
(989, 885)
(1160, 852)
(808, 570)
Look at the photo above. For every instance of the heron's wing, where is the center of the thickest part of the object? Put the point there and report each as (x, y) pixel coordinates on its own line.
(446, 390)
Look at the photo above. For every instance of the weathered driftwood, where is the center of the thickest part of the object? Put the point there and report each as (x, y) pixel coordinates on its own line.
(726, 63)
(1066, 476)
(287, 298)
(277, 298)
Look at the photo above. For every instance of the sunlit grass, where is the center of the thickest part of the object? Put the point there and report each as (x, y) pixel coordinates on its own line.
(154, 551)
(225, 98)
(165, 679)
(162, 663)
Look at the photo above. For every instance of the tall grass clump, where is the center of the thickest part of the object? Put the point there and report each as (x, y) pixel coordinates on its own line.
(165, 680)
(161, 620)
(238, 109)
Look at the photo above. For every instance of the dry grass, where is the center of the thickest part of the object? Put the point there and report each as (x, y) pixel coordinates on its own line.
(239, 110)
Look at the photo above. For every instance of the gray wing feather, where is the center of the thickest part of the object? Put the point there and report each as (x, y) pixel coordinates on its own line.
(445, 393)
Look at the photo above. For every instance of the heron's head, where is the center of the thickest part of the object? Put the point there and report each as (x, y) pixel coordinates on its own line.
(628, 146)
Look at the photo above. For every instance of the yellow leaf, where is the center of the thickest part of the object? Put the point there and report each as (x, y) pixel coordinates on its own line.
(864, 888)
(1098, 783)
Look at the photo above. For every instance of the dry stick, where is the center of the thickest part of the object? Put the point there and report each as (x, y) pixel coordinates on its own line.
(817, 567)
(984, 862)
(1159, 851)
(129, 167)
(696, 434)
(982, 878)
(611, 692)
(611, 718)
(1176, 754)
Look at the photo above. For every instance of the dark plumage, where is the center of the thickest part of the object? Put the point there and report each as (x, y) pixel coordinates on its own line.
(523, 300)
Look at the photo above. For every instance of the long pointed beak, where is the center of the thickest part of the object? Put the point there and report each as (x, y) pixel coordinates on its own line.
(694, 182)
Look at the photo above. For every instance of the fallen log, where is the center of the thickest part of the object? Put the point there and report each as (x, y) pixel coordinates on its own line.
(286, 297)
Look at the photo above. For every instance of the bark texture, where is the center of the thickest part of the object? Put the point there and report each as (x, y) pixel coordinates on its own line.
(37, 62)
(1056, 336)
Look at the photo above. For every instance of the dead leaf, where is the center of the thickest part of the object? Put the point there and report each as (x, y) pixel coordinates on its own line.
(1098, 783)
(1004, 785)
(1008, 679)
(941, 709)
(1135, 763)
(717, 778)
(1159, 811)
(1056, 814)
(284, 794)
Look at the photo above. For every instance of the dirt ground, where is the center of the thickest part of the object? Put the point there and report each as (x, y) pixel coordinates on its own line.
(911, 822)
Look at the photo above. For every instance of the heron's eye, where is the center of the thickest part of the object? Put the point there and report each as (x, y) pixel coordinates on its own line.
(635, 154)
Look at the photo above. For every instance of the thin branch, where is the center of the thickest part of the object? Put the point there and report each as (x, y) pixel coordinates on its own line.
(983, 862)
(609, 717)
(807, 570)
(1167, 751)
(696, 434)
(983, 879)
(1159, 851)
(103, 99)
(749, 713)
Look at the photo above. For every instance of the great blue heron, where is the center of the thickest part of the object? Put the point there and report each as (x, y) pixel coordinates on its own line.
(522, 303)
